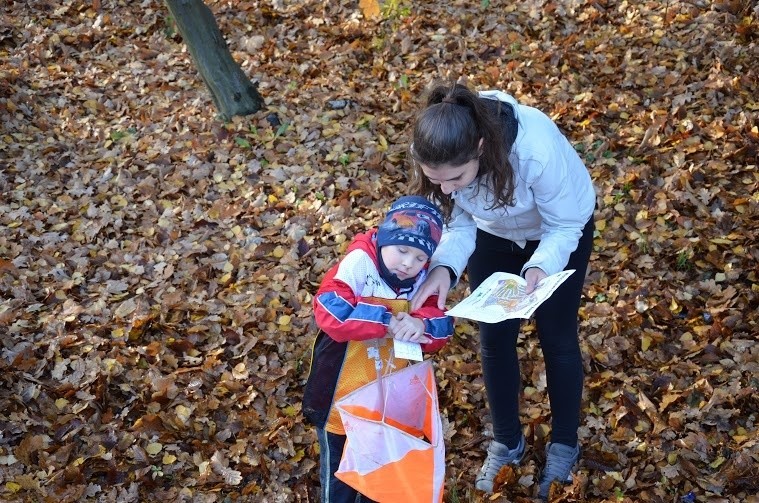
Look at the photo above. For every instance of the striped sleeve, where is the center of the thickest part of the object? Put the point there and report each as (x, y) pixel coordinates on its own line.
(437, 326)
(341, 312)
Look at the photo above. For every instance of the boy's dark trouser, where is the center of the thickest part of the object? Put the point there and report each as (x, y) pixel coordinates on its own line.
(334, 490)
(556, 321)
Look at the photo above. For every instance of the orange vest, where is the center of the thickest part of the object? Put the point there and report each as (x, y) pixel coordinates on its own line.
(360, 365)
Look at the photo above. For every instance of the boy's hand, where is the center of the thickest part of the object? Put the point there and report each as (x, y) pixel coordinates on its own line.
(391, 328)
(408, 328)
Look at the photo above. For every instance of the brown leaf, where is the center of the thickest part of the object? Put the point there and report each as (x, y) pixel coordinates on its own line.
(369, 8)
(505, 477)
(29, 446)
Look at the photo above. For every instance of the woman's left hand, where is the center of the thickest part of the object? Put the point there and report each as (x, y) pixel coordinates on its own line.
(533, 276)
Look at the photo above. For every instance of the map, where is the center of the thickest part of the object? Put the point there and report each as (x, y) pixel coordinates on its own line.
(502, 297)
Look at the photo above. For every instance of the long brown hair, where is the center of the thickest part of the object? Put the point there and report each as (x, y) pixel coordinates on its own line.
(448, 133)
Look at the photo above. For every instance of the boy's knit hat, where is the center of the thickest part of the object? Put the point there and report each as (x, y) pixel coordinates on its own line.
(412, 221)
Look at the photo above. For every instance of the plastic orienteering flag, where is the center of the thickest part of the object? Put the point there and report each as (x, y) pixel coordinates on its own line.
(394, 449)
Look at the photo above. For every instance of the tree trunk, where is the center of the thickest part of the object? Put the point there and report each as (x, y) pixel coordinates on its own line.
(233, 93)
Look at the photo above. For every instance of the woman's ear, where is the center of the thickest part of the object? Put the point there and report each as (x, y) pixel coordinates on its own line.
(479, 146)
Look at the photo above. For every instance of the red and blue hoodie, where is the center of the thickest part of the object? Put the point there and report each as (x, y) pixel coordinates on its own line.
(352, 308)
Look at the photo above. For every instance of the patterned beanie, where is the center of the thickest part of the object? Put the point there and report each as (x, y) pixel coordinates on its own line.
(412, 221)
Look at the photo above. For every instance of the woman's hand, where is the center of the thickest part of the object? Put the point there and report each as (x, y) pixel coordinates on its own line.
(533, 276)
(438, 282)
(408, 328)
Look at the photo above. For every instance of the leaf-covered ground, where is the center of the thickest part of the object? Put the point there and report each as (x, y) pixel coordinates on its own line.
(157, 265)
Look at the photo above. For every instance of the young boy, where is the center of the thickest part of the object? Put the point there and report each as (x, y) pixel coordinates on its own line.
(361, 305)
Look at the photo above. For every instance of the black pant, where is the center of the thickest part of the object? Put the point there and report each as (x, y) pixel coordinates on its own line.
(334, 490)
(556, 321)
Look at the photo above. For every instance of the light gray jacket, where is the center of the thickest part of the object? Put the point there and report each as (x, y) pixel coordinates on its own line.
(554, 198)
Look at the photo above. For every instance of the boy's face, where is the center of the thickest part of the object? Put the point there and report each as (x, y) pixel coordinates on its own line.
(403, 261)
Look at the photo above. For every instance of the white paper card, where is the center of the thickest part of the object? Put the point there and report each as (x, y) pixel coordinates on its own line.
(407, 350)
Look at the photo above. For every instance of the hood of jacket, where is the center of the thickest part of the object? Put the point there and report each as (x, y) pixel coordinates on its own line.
(366, 241)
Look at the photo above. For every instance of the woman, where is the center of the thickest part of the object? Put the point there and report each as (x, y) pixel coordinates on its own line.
(516, 198)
